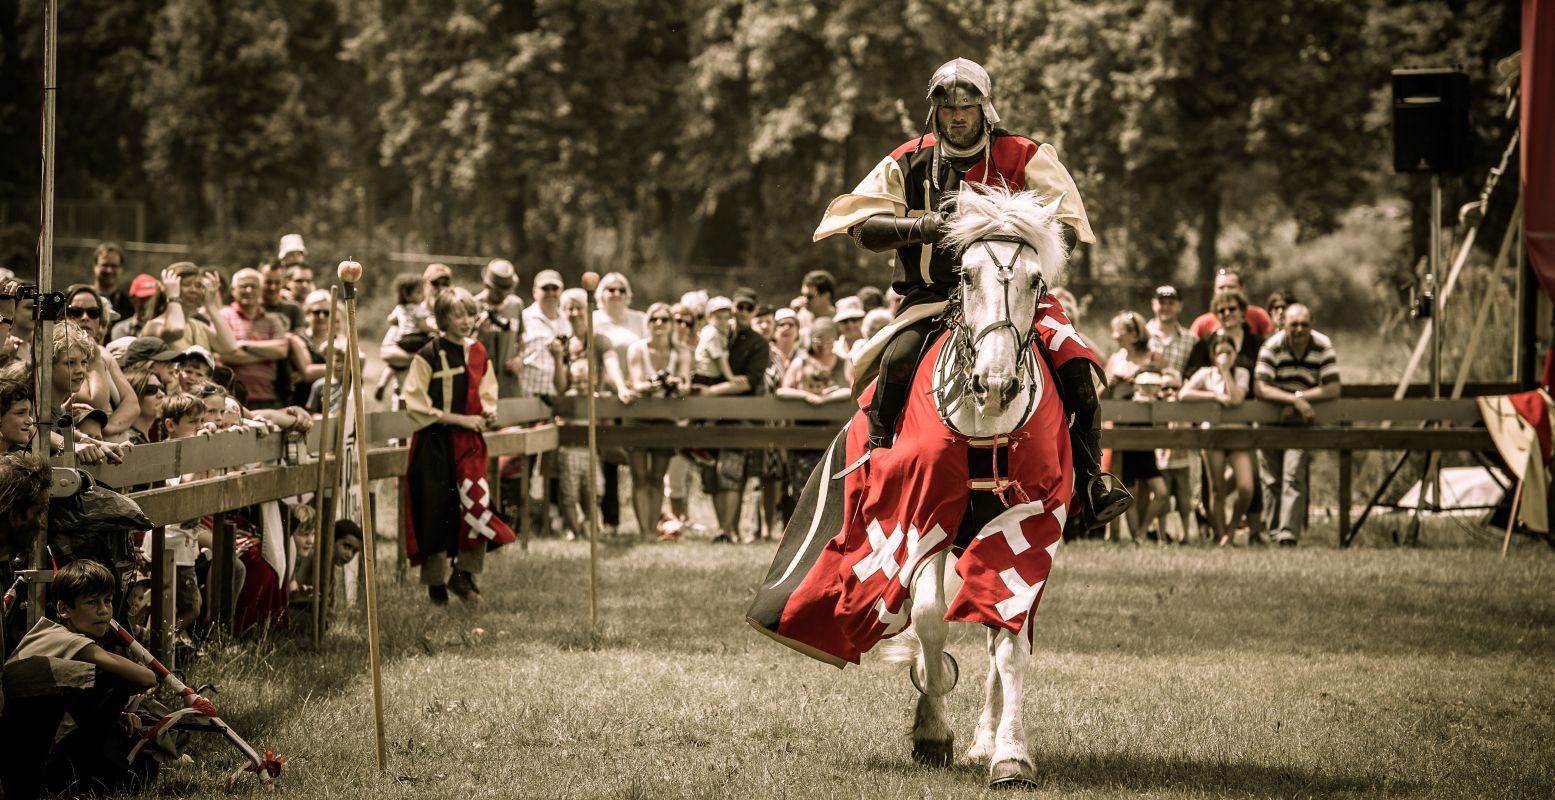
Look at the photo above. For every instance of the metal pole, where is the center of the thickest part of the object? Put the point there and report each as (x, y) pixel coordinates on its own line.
(322, 558)
(350, 272)
(43, 328)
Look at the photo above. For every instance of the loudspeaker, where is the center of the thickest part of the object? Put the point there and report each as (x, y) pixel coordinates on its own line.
(1430, 120)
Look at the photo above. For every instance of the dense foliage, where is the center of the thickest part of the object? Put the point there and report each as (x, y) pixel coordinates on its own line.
(678, 136)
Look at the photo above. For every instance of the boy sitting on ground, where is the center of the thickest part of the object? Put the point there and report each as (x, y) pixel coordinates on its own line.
(59, 669)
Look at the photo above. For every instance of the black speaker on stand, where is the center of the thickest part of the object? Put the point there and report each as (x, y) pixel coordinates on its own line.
(1431, 135)
(1430, 120)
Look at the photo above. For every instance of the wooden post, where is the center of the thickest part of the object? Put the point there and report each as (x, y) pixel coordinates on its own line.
(350, 272)
(1511, 519)
(322, 558)
(219, 581)
(161, 580)
(1344, 498)
(590, 283)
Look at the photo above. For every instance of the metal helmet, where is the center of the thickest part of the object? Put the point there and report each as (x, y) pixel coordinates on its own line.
(962, 82)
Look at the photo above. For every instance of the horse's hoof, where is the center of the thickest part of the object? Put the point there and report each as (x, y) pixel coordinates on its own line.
(933, 753)
(1012, 774)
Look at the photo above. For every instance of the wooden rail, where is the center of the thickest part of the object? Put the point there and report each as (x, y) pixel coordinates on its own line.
(257, 471)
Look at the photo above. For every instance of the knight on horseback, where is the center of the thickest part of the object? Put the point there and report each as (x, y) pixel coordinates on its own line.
(900, 206)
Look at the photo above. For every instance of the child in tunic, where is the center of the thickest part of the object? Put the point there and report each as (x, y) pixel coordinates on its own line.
(59, 669)
(451, 396)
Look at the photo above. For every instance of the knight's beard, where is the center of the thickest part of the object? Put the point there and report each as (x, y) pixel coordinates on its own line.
(967, 140)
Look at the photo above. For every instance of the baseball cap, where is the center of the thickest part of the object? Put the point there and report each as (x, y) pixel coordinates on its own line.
(549, 277)
(436, 271)
(719, 303)
(499, 274)
(745, 294)
(784, 313)
(198, 351)
(1166, 292)
(147, 348)
(848, 308)
(143, 286)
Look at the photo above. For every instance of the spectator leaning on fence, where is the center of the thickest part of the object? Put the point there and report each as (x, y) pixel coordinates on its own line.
(105, 388)
(1228, 384)
(657, 366)
(725, 480)
(1296, 367)
(545, 333)
(261, 339)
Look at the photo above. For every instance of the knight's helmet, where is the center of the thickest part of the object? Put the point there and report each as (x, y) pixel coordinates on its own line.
(961, 82)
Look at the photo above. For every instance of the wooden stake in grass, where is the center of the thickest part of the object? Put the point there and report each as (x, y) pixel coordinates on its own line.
(590, 283)
(350, 272)
(1511, 517)
(319, 553)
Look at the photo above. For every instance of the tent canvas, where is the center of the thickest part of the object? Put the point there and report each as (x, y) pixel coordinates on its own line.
(1466, 491)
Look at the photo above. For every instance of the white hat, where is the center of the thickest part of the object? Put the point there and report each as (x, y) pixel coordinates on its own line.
(784, 313)
(719, 303)
(292, 243)
(848, 308)
(197, 351)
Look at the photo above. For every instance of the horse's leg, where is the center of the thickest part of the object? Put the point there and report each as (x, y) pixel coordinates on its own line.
(932, 738)
(1011, 763)
(982, 741)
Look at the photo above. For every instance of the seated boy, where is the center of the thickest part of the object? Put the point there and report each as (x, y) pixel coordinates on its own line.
(59, 669)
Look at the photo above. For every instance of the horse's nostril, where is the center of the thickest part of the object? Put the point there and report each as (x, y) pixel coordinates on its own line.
(979, 387)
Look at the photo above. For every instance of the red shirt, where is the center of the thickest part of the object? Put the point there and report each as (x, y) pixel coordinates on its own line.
(258, 379)
(1258, 322)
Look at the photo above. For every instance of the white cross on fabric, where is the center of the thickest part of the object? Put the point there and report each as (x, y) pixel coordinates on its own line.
(1022, 594)
(1008, 524)
(893, 622)
(882, 552)
(1062, 332)
(476, 514)
(918, 546)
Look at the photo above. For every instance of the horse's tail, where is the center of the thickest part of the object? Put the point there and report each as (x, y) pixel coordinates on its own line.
(903, 648)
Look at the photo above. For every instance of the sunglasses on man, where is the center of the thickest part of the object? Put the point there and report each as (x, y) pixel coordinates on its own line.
(89, 313)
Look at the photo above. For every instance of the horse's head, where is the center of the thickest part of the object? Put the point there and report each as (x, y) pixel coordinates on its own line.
(1012, 251)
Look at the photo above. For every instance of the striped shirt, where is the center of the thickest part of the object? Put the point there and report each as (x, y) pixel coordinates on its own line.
(1282, 369)
(258, 379)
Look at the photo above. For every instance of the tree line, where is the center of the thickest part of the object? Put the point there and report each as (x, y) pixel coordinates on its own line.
(652, 135)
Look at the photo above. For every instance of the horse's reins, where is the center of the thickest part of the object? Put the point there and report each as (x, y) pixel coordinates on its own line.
(969, 340)
(966, 341)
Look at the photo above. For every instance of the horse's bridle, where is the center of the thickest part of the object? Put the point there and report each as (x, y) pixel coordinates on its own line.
(1023, 336)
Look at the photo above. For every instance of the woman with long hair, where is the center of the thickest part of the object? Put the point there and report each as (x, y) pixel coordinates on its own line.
(151, 392)
(105, 388)
(657, 366)
(1127, 372)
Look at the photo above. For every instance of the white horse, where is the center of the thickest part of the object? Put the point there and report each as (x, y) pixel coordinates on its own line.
(989, 379)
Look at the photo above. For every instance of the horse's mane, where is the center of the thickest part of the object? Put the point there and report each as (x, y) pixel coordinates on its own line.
(983, 210)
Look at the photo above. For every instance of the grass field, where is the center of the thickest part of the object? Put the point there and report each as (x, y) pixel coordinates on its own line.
(1179, 672)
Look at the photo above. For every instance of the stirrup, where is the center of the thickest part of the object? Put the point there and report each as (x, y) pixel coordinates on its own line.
(1114, 500)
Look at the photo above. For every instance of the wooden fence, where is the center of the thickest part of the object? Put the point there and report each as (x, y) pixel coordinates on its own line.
(261, 470)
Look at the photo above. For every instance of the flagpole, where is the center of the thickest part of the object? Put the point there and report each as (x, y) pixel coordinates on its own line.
(350, 272)
(1511, 516)
(323, 554)
(590, 283)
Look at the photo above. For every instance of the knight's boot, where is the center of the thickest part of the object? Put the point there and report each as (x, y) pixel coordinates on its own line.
(881, 432)
(1102, 496)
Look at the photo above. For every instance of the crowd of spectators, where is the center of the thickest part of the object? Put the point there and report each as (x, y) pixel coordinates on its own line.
(191, 352)
(1232, 352)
